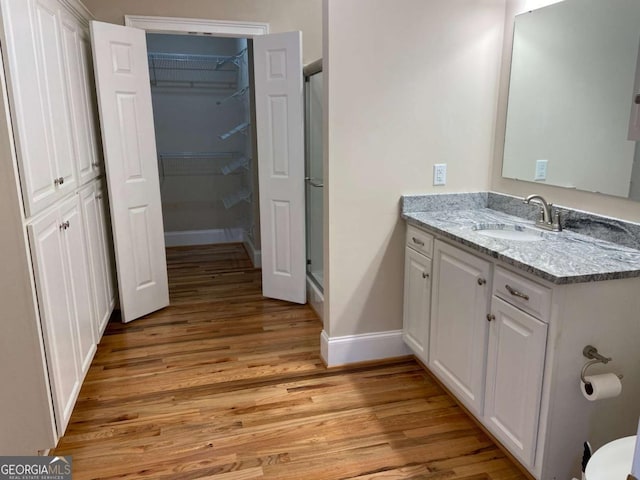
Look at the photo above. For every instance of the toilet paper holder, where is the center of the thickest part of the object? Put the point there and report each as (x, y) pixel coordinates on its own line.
(594, 357)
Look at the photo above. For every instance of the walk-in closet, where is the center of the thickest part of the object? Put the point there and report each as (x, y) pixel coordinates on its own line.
(201, 93)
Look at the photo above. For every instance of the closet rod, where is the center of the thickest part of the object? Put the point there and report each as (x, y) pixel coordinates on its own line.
(199, 155)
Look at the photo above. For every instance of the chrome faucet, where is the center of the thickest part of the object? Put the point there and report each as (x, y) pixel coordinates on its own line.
(549, 220)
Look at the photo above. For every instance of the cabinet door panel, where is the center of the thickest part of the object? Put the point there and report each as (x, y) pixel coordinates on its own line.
(458, 338)
(95, 250)
(104, 223)
(515, 367)
(417, 301)
(77, 89)
(53, 83)
(80, 292)
(48, 250)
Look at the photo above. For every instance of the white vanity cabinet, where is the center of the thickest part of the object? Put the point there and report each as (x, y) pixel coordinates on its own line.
(459, 307)
(508, 345)
(417, 292)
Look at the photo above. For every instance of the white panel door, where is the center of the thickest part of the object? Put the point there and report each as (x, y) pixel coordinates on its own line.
(417, 303)
(56, 313)
(515, 367)
(459, 327)
(280, 136)
(128, 138)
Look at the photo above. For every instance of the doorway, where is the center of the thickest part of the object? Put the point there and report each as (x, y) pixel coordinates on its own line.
(122, 79)
(202, 97)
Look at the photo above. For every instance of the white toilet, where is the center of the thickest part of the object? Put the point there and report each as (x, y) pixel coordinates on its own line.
(613, 461)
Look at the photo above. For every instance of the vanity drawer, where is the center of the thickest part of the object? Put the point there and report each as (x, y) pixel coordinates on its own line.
(420, 241)
(523, 293)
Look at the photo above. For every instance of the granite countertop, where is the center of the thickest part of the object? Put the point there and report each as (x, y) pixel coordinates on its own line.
(561, 258)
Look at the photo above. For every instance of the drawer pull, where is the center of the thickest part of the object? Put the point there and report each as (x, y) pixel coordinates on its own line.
(425, 275)
(417, 241)
(516, 293)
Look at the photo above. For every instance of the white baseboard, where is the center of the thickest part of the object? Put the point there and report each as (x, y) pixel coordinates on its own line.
(315, 297)
(203, 237)
(362, 348)
(255, 254)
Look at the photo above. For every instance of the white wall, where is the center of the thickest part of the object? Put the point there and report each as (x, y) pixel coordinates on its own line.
(409, 83)
(190, 120)
(282, 15)
(593, 202)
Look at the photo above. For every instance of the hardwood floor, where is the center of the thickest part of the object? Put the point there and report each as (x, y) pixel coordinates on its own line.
(227, 385)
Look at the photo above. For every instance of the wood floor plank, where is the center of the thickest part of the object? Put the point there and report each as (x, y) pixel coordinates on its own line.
(225, 384)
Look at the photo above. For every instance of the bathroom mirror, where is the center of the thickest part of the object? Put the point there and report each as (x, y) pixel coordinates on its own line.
(571, 93)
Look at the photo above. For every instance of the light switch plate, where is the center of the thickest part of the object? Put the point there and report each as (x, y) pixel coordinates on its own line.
(440, 174)
(541, 170)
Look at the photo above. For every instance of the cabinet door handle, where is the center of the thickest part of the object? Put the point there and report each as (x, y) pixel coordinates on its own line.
(425, 275)
(516, 293)
(481, 281)
(60, 180)
(490, 317)
(417, 241)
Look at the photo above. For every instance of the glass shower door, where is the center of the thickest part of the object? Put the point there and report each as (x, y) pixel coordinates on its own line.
(314, 177)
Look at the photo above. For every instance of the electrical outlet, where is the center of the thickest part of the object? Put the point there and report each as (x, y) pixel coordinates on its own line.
(440, 174)
(541, 170)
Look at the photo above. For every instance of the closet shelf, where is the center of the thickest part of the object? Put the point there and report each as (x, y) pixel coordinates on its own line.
(241, 162)
(209, 71)
(192, 163)
(236, 95)
(239, 128)
(242, 195)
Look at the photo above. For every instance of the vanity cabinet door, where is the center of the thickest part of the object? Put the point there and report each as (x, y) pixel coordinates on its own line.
(459, 327)
(417, 301)
(515, 366)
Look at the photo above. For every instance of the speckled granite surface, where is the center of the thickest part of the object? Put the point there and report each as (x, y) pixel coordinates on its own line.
(561, 258)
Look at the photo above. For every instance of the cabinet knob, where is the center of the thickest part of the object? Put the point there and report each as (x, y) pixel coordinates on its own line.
(481, 281)
(490, 317)
(425, 275)
(99, 197)
(60, 180)
(95, 164)
(637, 99)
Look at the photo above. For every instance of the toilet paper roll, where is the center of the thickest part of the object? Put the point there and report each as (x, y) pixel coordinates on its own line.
(598, 387)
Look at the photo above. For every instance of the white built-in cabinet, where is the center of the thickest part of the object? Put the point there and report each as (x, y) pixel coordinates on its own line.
(508, 346)
(58, 195)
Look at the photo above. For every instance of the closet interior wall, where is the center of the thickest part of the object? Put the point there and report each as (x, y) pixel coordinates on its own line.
(202, 114)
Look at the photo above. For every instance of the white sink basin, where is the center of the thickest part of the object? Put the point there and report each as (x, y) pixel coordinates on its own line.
(506, 231)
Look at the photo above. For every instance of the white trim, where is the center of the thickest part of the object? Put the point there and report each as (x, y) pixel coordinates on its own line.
(362, 348)
(203, 237)
(79, 9)
(254, 253)
(315, 297)
(221, 28)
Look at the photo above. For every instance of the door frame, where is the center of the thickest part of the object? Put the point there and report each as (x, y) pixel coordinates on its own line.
(196, 26)
(205, 27)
